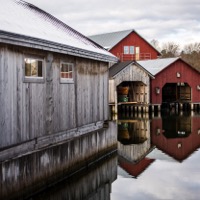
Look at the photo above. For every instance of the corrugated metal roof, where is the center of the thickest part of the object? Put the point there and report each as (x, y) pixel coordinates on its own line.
(20, 18)
(157, 65)
(109, 40)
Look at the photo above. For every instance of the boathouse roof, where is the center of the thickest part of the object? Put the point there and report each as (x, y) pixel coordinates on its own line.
(27, 25)
(109, 40)
(118, 67)
(157, 65)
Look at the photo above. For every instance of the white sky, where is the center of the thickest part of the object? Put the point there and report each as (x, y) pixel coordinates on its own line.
(164, 20)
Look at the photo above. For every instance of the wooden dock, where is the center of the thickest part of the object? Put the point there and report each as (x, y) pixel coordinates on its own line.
(136, 107)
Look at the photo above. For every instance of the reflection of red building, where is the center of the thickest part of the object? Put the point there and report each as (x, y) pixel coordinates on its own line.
(179, 147)
(134, 169)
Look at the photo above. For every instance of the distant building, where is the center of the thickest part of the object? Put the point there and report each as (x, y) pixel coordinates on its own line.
(53, 80)
(126, 45)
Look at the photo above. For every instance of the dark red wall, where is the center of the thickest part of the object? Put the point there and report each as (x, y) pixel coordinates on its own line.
(168, 75)
(170, 145)
(134, 39)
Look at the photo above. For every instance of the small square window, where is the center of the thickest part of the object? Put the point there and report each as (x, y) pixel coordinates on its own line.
(66, 72)
(126, 49)
(33, 70)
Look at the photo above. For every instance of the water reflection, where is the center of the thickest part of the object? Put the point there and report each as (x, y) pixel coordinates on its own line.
(162, 153)
(22, 176)
(134, 143)
(176, 135)
(92, 184)
(158, 158)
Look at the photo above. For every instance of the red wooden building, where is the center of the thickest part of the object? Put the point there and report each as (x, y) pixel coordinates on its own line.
(175, 81)
(126, 45)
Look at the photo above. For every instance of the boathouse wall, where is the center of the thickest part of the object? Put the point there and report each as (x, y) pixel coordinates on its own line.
(37, 170)
(30, 110)
(178, 72)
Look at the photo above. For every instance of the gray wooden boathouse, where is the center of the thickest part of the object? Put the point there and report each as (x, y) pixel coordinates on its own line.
(129, 87)
(53, 80)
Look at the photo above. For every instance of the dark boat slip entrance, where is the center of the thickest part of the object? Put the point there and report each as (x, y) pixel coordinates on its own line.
(176, 92)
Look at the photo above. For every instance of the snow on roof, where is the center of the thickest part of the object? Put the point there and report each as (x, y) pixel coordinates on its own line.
(109, 40)
(24, 19)
(156, 65)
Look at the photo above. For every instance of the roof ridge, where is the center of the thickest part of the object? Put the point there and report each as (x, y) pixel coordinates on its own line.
(128, 30)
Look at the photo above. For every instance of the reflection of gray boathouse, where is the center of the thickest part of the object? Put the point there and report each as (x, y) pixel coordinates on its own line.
(134, 143)
(53, 88)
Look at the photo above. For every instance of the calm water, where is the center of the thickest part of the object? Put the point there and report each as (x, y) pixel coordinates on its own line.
(168, 167)
(158, 158)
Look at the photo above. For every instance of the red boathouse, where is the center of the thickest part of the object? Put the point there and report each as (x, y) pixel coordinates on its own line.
(175, 82)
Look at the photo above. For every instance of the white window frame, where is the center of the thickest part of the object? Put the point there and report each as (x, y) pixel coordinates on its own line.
(126, 50)
(34, 79)
(131, 50)
(63, 79)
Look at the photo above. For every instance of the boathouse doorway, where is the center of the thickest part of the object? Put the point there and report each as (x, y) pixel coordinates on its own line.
(132, 91)
(176, 92)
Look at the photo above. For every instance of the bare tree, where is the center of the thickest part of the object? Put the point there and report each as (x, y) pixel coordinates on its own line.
(192, 47)
(155, 44)
(170, 49)
(191, 54)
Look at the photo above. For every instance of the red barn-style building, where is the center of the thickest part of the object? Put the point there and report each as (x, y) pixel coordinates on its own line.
(126, 45)
(175, 82)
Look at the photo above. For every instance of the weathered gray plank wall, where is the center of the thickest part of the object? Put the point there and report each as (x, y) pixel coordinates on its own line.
(36, 170)
(31, 110)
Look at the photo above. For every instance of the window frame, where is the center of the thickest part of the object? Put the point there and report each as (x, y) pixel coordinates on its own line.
(129, 50)
(126, 50)
(67, 80)
(133, 50)
(33, 79)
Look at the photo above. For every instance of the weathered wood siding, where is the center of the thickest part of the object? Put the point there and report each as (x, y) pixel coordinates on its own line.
(26, 174)
(32, 110)
(112, 90)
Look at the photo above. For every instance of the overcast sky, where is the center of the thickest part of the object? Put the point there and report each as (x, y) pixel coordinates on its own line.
(163, 20)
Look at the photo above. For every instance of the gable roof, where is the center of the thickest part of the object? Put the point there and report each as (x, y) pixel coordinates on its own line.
(116, 68)
(157, 65)
(25, 24)
(109, 40)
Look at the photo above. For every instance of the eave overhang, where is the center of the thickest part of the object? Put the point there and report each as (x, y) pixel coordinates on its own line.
(36, 43)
